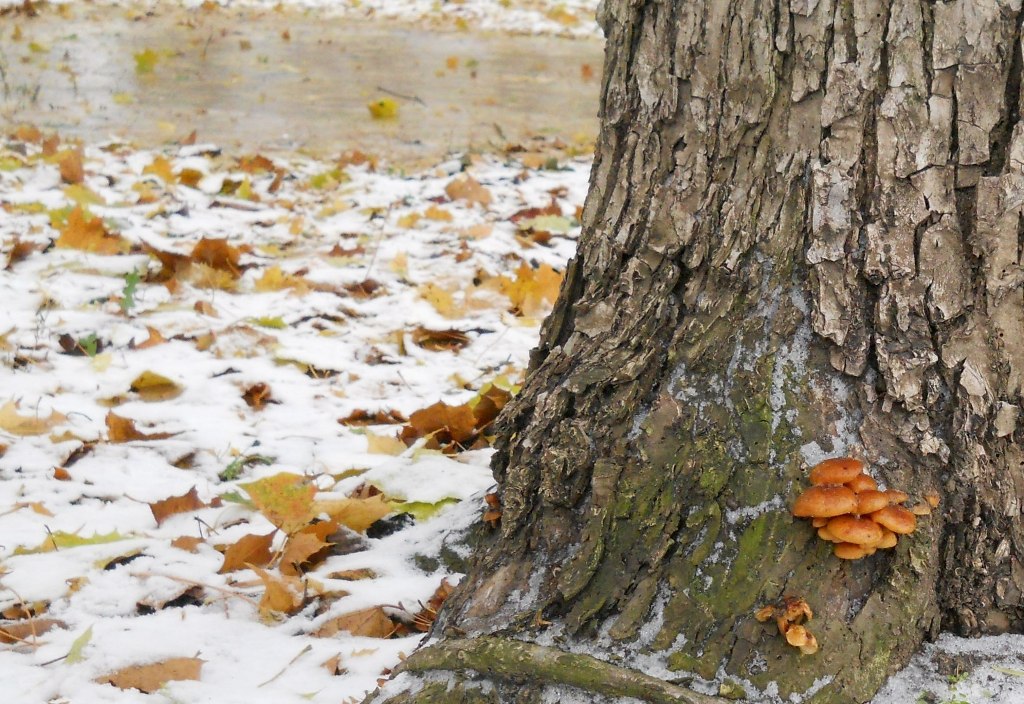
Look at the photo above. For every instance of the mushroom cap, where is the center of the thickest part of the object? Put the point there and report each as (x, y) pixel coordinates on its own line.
(895, 518)
(811, 646)
(850, 529)
(920, 509)
(862, 482)
(825, 502)
(896, 496)
(796, 635)
(849, 551)
(764, 613)
(837, 470)
(825, 535)
(888, 540)
(870, 501)
(932, 498)
(819, 522)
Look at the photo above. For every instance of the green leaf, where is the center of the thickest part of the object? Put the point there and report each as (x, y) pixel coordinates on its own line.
(131, 282)
(266, 321)
(421, 510)
(75, 654)
(547, 223)
(63, 541)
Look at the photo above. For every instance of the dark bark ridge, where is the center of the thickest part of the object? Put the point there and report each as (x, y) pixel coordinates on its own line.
(803, 239)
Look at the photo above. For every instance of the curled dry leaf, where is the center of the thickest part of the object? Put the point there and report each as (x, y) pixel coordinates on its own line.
(162, 510)
(379, 417)
(440, 340)
(150, 678)
(257, 396)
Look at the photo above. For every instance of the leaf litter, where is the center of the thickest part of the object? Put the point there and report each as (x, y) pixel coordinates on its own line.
(238, 433)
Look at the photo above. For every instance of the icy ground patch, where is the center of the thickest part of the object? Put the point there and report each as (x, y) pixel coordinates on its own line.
(247, 306)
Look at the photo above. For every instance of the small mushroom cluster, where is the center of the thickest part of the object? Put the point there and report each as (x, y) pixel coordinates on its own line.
(789, 616)
(847, 508)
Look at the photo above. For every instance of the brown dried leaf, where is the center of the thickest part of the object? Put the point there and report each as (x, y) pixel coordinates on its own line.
(422, 620)
(89, 235)
(154, 339)
(255, 164)
(370, 623)
(468, 189)
(248, 550)
(20, 250)
(164, 509)
(150, 678)
(446, 425)
(27, 630)
(123, 430)
(384, 445)
(257, 396)
(302, 547)
(380, 417)
(440, 340)
(188, 543)
(217, 254)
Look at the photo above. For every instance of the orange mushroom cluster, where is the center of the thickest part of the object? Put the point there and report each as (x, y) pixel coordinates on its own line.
(846, 506)
(790, 615)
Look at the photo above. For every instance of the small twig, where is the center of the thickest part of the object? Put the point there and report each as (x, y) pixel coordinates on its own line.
(413, 98)
(290, 663)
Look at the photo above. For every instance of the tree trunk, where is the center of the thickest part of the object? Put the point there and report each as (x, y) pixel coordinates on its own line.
(803, 239)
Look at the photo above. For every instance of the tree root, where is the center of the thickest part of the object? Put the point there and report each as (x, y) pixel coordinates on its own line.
(505, 658)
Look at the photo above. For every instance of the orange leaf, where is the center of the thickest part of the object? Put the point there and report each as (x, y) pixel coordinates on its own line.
(154, 339)
(283, 595)
(371, 623)
(162, 510)
(440, 340)
(285, 499)
(90, 235)
(301, 547)
(364, 417)
(161, 168)
(150, 678)
(446, 424)
(248, 550)
(123, 430)
(217, 253)
(71, 169)
(257, 396)
(188, 543)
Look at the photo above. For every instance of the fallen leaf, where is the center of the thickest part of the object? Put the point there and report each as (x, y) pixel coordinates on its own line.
(333, 665)
(71, 168)
(12, 422)
(446, 425)
(383, 109)
(467, 188)
(121, 429)
(370, 623)
(161, 168)
(357, 514)
(164, 509)
(19, 251)
(440, 340)
(282, 595)
(154, 339)
(255, 164)
(188, 543)
(353, 575)
(257, 396)
(442, 299)
(422, 620)
(274, 279)
(152, 677)
(151, 386)
(61, 474)
(380, 417)
(218, 254)
(248, 550)
(531, 291)
(384, 445)
(89, 234)
(27, 630)
(77, 646)
(145, 61)
(285, 499)
(303, 546)
(59, 540)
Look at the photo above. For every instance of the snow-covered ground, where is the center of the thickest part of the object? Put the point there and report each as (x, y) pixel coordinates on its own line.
(338, 289)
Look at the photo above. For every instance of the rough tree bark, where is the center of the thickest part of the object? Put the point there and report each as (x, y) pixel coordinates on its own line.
(803, 239)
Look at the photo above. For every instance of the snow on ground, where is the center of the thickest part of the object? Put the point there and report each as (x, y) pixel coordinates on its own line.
(569, 18)
(353, 289)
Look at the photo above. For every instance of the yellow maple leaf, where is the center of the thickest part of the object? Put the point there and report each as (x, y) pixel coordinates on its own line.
(285, 499)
